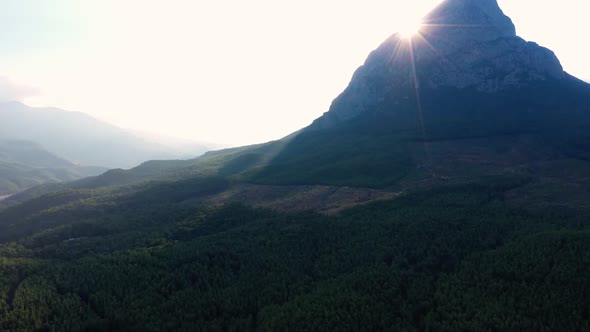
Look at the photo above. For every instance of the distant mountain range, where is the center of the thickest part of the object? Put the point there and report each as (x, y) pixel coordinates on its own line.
(49, 146)
(24, 164)
(85, 140)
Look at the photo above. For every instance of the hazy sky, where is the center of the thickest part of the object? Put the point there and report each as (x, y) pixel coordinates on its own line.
(224, 71)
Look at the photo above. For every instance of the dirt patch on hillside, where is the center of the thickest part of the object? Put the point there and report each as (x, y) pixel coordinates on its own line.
(323, 199)
(558, 184)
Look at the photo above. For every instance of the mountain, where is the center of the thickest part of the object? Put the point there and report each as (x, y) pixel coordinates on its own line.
(461, 45)
(446, 189)
(83, 139)
(25, 164)
(464, 98)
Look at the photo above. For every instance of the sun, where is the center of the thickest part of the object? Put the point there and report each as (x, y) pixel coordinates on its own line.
(409, 28)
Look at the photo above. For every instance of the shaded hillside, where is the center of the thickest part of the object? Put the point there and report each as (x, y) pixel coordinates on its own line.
(234, 163)
(395, 143)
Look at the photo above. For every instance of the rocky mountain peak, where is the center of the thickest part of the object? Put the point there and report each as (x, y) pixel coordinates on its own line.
(478, 42)
(462, 44)
(474, 20)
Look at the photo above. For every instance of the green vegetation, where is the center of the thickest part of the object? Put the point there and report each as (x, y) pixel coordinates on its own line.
(339, 157)
(491, 233)
(148, 257)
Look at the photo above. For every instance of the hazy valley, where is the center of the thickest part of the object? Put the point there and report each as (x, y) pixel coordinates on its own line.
(40, 146)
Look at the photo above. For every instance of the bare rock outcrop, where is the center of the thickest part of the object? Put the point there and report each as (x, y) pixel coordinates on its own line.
(463, 44)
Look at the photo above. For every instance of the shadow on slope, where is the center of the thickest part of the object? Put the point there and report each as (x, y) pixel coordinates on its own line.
(398, 141)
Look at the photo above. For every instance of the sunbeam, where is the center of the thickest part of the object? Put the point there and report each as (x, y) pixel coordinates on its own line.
(412, 37)
(416, 86)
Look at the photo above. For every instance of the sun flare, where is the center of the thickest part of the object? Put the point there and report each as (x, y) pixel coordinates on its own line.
(409, 28)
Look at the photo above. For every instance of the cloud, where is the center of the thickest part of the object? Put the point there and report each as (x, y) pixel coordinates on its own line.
(11, 91)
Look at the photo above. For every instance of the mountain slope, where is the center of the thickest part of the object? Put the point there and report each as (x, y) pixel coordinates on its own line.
(444, 105)
(420, 107)
(25, 164)
(466, 98)
(81, 138)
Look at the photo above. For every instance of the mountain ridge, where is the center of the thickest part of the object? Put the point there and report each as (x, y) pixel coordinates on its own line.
(81, 138)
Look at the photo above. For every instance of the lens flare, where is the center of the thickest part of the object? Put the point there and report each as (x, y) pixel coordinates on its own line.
(409, 28)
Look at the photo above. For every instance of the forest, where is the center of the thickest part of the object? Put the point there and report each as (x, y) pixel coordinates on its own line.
(147, 258)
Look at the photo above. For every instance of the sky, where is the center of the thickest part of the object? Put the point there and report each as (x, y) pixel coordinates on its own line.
(229, 72)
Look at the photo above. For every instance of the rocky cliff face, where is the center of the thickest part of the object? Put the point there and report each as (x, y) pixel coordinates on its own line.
(462, 21)
(463, 44)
